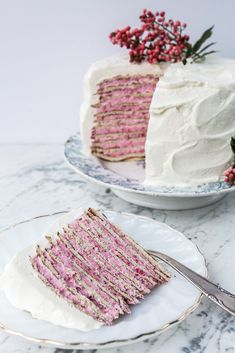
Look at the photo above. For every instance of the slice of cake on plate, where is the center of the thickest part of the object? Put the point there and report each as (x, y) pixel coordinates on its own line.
(86, 273)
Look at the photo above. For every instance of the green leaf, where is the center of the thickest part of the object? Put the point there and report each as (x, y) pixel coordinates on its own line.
(199, 58)
(206, 47)
(232, 143)
(208, 53)
(207, 34)
(188, 52)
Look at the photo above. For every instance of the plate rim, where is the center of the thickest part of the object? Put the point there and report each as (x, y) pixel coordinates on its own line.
(136, 191)
(112, 343)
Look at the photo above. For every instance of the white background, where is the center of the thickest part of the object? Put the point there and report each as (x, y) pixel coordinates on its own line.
(46, 46)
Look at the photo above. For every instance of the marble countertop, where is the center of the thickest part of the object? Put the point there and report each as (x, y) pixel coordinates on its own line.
(35, 180)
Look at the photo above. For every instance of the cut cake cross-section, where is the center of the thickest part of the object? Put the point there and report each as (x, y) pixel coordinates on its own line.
(97, 268)
(121, 116)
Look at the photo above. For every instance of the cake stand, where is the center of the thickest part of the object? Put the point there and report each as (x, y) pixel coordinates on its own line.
(125, 179)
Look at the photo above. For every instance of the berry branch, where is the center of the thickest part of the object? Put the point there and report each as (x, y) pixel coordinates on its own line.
(229, 174)
(161, 40)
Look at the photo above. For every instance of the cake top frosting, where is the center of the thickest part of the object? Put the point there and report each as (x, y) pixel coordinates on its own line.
(184, 83)
(116, 64)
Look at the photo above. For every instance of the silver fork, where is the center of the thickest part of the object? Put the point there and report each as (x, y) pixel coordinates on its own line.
(214, 292)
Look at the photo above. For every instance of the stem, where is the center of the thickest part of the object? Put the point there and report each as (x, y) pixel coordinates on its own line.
(165, 28)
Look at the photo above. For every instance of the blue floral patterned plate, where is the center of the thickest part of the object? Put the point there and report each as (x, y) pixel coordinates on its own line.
(126, 180)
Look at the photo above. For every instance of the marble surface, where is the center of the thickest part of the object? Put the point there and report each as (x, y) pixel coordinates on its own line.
(35, 180)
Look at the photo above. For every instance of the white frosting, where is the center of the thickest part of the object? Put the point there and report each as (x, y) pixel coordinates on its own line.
(27, 292)
(192, 117)
(101, 70)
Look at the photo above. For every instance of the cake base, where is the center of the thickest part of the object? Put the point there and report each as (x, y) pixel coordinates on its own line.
(167, 202)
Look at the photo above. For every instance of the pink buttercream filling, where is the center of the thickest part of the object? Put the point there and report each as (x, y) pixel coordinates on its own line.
(59, 286)
(121, 143)
(137, 79)
(119, 129)
(123, 244)
(116, 100)
(108, 252)
(89, 266)
(122, 111)
(95, 266)
(113, 106)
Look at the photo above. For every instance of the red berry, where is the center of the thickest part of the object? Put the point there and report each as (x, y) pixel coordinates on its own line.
(152, 41)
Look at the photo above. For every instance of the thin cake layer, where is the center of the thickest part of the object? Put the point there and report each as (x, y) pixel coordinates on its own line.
(122, 113)
(97, 268)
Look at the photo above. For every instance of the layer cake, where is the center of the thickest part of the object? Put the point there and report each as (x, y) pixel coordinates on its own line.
(180, 118)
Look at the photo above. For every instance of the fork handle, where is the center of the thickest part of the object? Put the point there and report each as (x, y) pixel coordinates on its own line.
(212, 291)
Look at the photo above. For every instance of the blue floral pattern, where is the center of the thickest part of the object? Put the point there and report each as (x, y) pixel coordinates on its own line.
(90, 167)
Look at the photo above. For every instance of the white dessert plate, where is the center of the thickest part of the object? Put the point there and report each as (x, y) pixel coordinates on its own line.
(126, 180)
(165, 307)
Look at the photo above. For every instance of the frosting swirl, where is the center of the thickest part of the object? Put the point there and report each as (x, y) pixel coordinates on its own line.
(191, 122)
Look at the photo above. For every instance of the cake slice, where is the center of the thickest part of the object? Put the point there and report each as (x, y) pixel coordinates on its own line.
(84, 273)
(97, 268)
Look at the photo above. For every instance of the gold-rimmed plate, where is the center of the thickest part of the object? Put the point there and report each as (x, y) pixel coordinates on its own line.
(164, 307)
